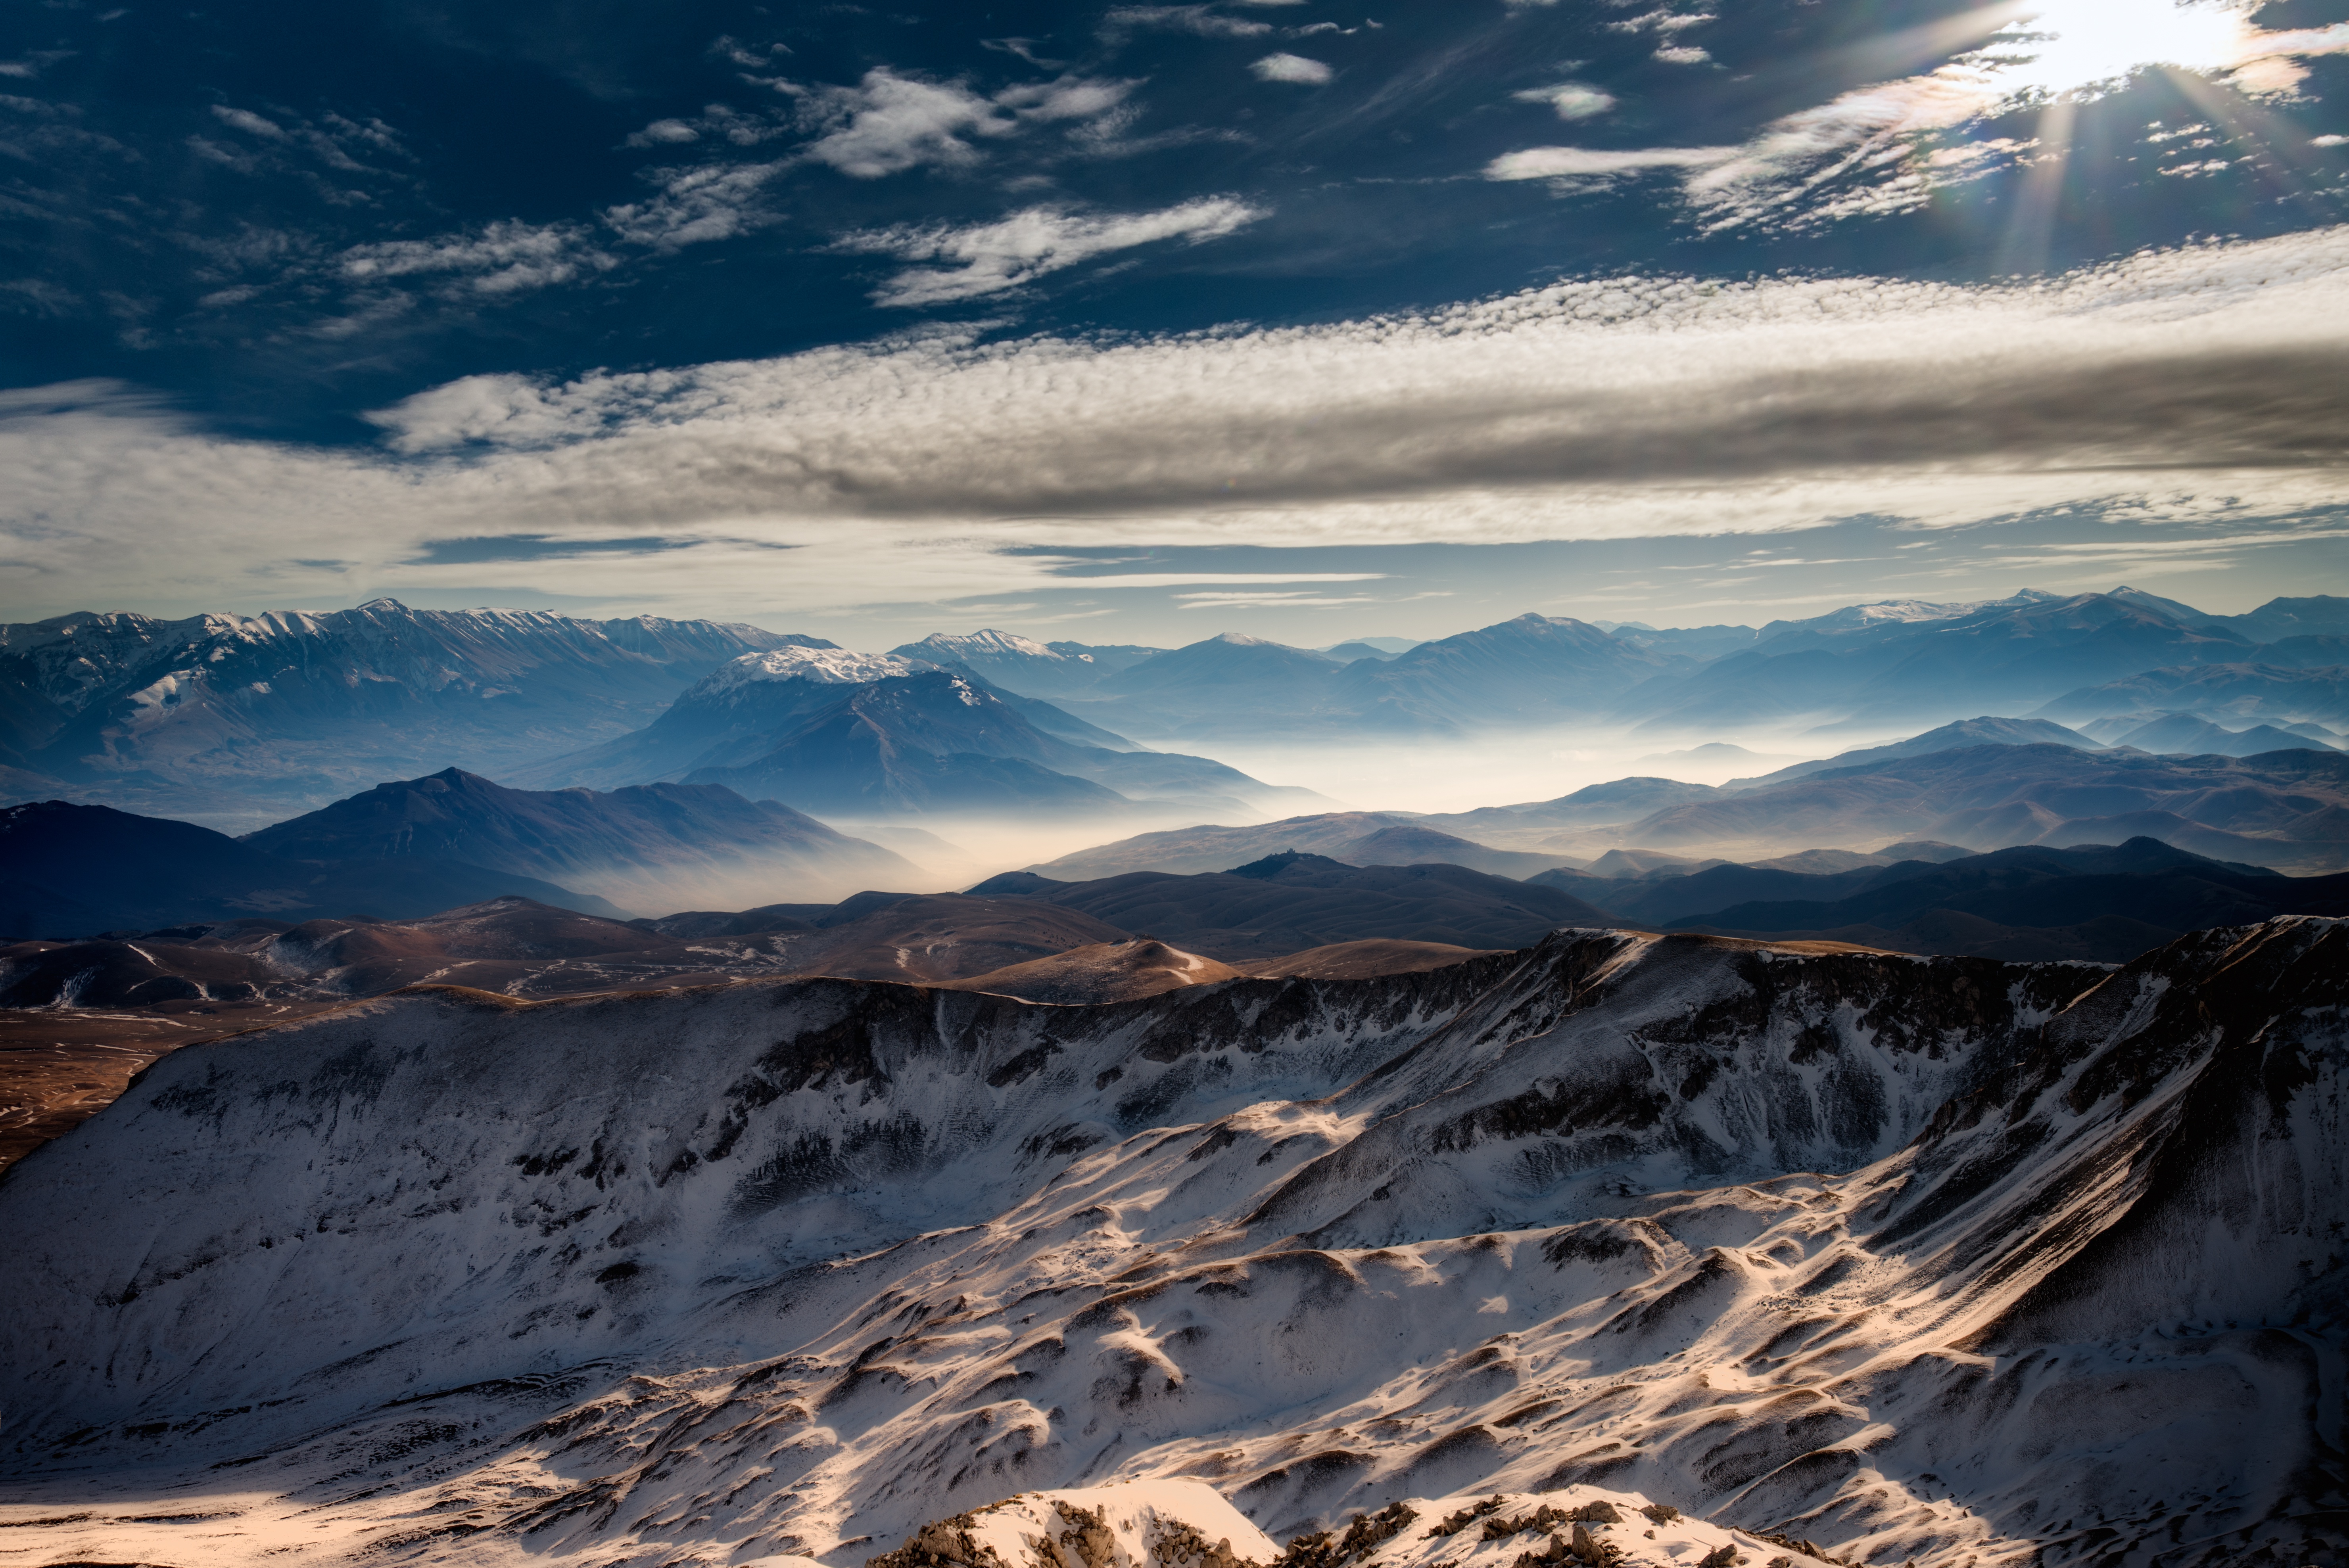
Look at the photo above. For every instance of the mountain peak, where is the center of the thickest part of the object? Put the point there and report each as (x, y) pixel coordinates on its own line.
(824, 666)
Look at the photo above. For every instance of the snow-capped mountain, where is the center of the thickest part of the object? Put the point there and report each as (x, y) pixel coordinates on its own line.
(239, 719)
(1928, 1261)
(865, 734)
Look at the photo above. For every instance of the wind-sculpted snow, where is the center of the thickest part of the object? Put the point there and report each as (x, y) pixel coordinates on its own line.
(1941, 1260)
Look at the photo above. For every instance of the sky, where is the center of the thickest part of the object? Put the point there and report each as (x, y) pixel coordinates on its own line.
(1137, 323)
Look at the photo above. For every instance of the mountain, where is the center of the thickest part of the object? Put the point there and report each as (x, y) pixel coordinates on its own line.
(1987, 730)
(1224, 685)
(1893, 663)
(1919, 1259)
(1531, 825)
(2244, 694)
(722, 718)
(2100, 904)
(647, 846)
(1107, 658)
(76, 870)
(239, 719)
(882, 734)
(2319, 615)
(1290, 901)
(1007, 660)
(1704, 643)
(2182, 733)
(1534, 669)
(2283, 808)
(1357, 838)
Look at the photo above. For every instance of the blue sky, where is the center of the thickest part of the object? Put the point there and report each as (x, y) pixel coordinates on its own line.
(1297, 319)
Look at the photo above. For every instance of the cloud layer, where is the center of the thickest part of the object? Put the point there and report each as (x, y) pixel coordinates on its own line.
(2204, 382)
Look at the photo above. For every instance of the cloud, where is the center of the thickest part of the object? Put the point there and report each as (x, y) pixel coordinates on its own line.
(664, 133)
(1560, 162)
(1888, 147)
(1572, 100)
(890, 123)
(504, 257)
(1291, 68)
(1197, 19)
(993, 257)
(716, 202)
(2205, 383)
(247, 121)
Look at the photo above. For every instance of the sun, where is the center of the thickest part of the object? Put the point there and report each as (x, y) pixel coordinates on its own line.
(2056, 48)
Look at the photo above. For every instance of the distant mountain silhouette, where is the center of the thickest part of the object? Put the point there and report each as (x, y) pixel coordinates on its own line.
(1354, 838)
(2029, 903)
(2183, 733)
(2286, 808)
(1292, 902)
(1987, 730)
(656, 847)
(71, 870)
(2265, 692)
(1872, 664)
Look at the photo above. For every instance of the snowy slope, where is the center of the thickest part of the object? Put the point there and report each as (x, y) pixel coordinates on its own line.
(1941, 1260)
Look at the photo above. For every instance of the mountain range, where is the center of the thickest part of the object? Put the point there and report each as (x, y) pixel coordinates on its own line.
(1823, 1256)
(240, 721)
(237, 719)
(1898, 664)
(76, 870)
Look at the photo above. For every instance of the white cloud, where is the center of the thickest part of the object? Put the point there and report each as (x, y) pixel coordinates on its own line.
(1291, 68)
(716, 202)
(662, 133)
(499, 258)
(1572, 100)
(1197, 19)
(1560, 162)
(889, 123)
(1887, 147)
(990, 258)
(2186, 385)
(248, 121)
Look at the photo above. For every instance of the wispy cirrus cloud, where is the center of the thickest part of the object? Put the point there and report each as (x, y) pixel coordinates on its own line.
(1199, 20)
(992, 258)
(497, 258)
